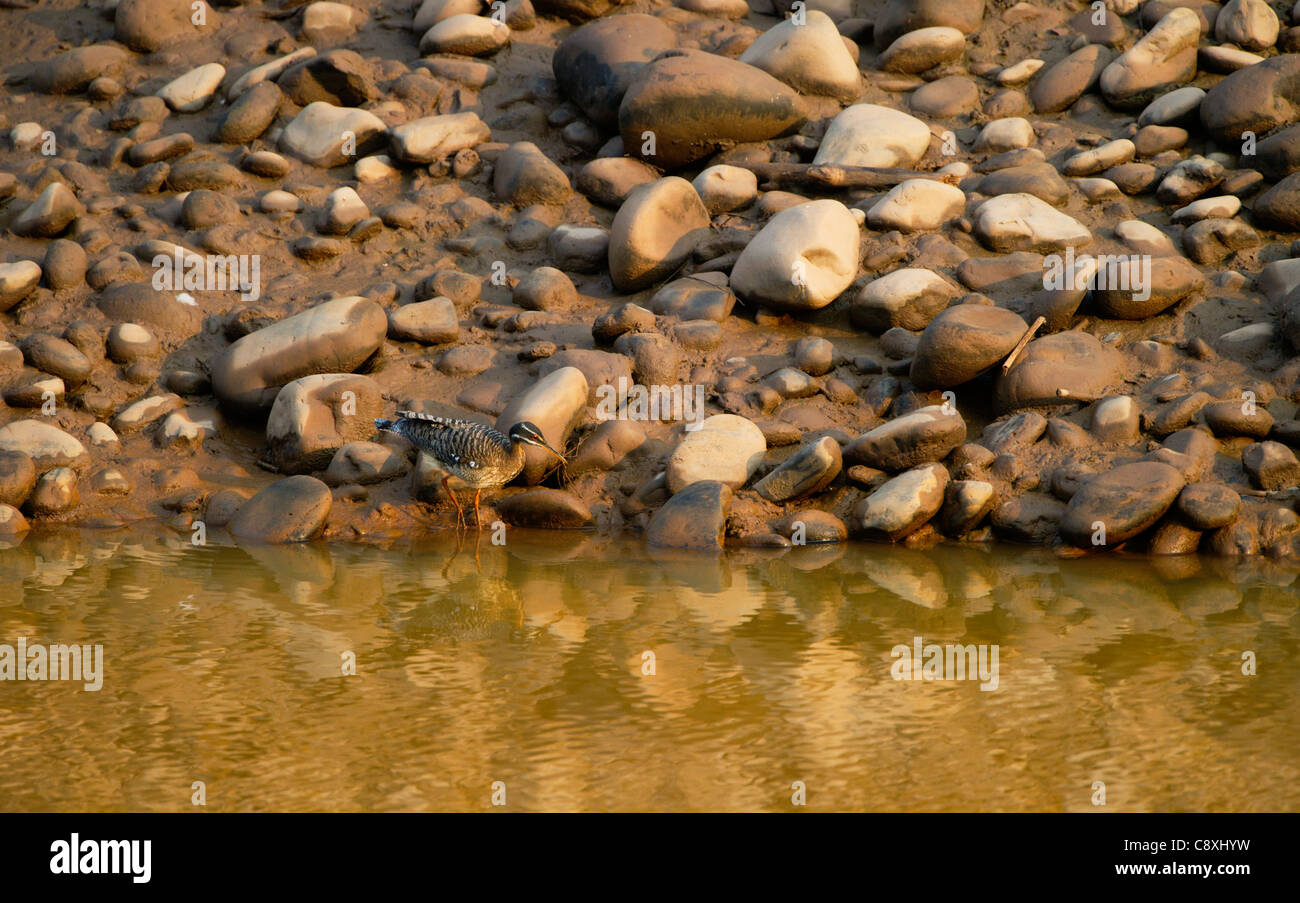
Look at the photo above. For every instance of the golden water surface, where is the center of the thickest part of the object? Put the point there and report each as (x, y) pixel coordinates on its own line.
(518, 675)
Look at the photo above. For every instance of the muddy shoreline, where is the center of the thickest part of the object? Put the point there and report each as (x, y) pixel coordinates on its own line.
(529, 263)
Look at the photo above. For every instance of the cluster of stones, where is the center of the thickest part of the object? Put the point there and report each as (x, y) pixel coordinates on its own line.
(840, 222)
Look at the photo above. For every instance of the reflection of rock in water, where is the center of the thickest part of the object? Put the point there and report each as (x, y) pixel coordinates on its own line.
(530, 667)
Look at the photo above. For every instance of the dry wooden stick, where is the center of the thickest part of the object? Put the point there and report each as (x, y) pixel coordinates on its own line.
(1020, 346)
(822, 175)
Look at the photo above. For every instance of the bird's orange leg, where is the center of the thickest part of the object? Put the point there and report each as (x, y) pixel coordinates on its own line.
(477, 524)
(460, 514)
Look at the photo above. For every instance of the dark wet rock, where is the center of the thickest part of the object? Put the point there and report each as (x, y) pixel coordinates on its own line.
(1210, 240)
(606, 446)
(903, 504)
(1259, 99)
(1171, 537)
(1191, 451)
(596, 63)
(1238, 418)
(64, 265)
(962, 342)
(1171, 280)
(165, 148)
(1279, 207)
(49, 214)
(811, 526)
(364, 464)
(922, 436)
(147, 25)
(1066, 365)
(338, 77)
(1039, 179)
(58, 357)
(1061, 84)
(623, 319)
(1208, 506)
(552, 509)
(524, 175)
(609, 180)
(1015, 433)
(693, 298)
(334, 337)
(251, 114)
(545, 288)
(945, 97)
(294, 509)
(12, 522)
(808, 471)
(74, 69)
(908, 298)
(696, 103)
(1120, 504)
(1030, 518)
(695, 517)
(656, 359)
(1240, 539)
(575, 10)
(139, 303)
(55, 493)
(966, 504)
(17, 477)
(1270, 465)
(901, 16)
(431, 322)
(213, 174)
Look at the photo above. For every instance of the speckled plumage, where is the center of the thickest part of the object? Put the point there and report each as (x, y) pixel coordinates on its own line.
(479, 455)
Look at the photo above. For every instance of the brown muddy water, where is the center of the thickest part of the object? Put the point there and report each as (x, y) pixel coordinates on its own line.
(524, 664)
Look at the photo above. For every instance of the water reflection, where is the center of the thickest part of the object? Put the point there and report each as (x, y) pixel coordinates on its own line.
(524, 664)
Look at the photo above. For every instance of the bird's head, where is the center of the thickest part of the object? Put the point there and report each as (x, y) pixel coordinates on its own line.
(529, 434)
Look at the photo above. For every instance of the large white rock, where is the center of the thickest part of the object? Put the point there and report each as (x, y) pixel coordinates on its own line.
(467, 35)
(917, 205)
(1251, 24)
(802, 259)
(1022, 222)
(727, 448)
(432, 138)
(18, 280)
(322, 134)
(654, 232)
(192, 91)
(869, 135)
(904, 504)
(811, 58)
(922, 49)
(46, 445)
(1165, 56)
(908, 298)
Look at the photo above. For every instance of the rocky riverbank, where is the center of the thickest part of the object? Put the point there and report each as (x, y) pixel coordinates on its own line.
(965, 270)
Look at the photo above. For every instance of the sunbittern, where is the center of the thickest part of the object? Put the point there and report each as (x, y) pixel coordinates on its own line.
(477, 454)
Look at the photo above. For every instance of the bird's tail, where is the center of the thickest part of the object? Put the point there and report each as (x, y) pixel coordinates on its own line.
(381, 424)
